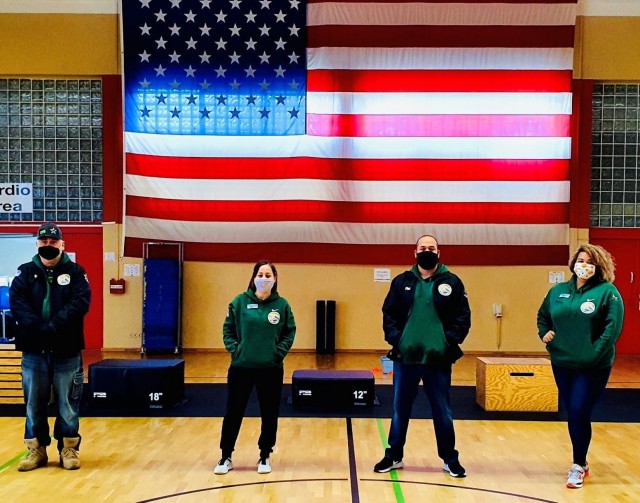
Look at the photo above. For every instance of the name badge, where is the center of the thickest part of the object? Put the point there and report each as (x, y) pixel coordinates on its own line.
(564, 295)
(252, 306)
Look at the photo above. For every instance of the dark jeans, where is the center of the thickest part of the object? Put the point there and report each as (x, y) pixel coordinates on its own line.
(579, 391)
(42, 373)
(240, 383)
(436, 384)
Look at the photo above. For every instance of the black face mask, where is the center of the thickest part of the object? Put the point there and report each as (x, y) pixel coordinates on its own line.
(48, 252)
(427, 259)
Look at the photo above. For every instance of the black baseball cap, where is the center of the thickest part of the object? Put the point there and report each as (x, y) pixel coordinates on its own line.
(49, 231)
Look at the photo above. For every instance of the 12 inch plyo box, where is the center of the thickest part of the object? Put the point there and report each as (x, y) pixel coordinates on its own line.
(332, 388)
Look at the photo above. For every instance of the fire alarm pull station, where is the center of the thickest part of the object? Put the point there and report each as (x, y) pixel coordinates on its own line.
(116, 286)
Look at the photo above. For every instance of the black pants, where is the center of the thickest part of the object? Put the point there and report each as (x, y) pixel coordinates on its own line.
(240, 383)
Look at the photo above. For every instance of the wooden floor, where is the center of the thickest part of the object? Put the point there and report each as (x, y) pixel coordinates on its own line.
(324, 459)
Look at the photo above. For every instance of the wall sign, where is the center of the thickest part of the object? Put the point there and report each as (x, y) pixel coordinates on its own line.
(16, 198)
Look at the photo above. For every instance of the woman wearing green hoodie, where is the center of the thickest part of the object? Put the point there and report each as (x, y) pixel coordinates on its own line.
(258, 332)
(580, 321)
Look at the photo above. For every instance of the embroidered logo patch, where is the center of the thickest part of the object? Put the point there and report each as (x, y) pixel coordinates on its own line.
(445, 290)
(588, 307)
(273, 317)
(64, 279)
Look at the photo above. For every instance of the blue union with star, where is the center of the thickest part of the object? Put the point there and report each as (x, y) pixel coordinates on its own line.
(214, 67)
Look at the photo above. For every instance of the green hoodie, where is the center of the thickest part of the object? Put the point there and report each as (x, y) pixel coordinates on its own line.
(258, 333)
(587, 322)
(423, 339)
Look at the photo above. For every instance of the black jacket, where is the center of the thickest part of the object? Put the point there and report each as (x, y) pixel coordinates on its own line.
(453, 311)
(68, 302)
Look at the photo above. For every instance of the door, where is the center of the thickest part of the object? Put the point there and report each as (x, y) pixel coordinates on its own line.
(624, 245)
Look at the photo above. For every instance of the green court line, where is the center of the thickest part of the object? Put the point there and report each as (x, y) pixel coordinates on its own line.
(12, 462)
(394, 476)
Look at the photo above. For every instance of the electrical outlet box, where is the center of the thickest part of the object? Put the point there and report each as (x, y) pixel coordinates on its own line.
(497, 310)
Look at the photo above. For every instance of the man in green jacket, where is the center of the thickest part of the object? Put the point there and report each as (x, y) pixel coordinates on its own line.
(426, 317)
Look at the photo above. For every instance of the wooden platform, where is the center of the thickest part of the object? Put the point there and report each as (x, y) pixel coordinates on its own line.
(516, 384)
(10, 376)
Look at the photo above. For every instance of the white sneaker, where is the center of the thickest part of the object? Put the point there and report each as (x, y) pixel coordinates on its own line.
(223, 466)
(575, 477)
(264, 466)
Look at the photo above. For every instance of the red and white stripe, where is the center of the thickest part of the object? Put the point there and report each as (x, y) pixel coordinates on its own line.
(450, 118)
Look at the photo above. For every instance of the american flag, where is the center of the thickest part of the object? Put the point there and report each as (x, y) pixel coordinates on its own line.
(339, 132)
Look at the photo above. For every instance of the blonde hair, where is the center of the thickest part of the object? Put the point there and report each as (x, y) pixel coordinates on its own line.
(602, 259)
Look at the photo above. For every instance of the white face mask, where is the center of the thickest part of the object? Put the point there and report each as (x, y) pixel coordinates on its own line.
(264, 285)
(584, 270)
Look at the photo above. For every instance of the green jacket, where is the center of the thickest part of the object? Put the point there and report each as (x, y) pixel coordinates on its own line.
(587, 322)
(258, 333)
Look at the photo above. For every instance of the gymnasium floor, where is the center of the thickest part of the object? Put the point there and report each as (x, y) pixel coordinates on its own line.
(324, 459)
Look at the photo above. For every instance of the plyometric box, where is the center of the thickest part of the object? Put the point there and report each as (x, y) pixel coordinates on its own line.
(516, 384)
(332, 388)
(136, 383)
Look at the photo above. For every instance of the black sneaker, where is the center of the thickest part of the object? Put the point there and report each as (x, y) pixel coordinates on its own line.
(455, 469)
(387, 464)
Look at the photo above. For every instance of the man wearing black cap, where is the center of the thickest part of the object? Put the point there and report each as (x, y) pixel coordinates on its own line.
(49, 298)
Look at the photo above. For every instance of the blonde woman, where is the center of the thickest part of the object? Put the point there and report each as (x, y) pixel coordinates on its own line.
(580, 321)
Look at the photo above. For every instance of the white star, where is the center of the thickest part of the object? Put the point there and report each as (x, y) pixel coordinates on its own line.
(264, 85)
(293, 58)
(220, 72)
(264, 30)
(144, 56)
(159, 70)
(235, 30)
(265, 4)
(235, 57)
(161, 43)
(280, 44)
(294, 85)
(204, 57)
(251, 44)
(175, 57)
(191, 72)
(221, 44)
(280, 71)
(251, 17)
(190, 16)
(235, 4)
(294, 4)
(191, 44)
(175, 29)
(145, 83)
(280, 17)
(221, 16)
(175, 84)
(205, 30)
(235, 85)
(250, 72)
(145, 3)
(146, 30)
(293, 30)
(175, 3)
(160, 16)
(205, 85)
(264, 58)
(205, 4)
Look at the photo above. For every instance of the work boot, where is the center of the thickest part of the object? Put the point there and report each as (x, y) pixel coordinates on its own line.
(35, 458)
(69, 457)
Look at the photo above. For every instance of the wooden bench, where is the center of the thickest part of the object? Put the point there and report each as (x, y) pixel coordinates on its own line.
(516, 384)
